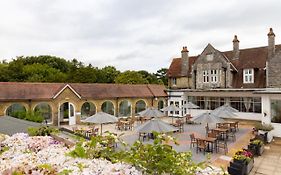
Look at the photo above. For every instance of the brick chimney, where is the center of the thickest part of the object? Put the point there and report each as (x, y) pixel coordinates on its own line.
(235, 47)
(271, 43)
(185, 61)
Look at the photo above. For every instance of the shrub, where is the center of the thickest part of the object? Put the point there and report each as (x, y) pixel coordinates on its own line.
(264, 127)
(29, 115)
(257, 142)
(41, 131)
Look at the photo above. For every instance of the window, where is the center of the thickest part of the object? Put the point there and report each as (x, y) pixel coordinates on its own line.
(174, 81)
(205, 76)
(248, 76)
(177, 105)
(275, 111)
(214, 76)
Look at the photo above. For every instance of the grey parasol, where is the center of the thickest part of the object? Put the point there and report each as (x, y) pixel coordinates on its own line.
(151, 112)
(101, 118)
(224, 111)
(155, 125)
(207, 118)
(170, 108)
(189, 105)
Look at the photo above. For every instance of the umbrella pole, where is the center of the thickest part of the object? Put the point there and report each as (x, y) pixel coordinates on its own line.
(100, 129)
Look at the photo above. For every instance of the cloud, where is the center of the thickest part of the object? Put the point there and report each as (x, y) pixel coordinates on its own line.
(132, 34)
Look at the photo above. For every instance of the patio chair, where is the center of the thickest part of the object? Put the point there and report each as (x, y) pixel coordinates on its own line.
(232, 135)
(193, 140)
(179, 124)
(222, 144)
(232, 127)
(119, 125)
(201, 145)
(143, 135)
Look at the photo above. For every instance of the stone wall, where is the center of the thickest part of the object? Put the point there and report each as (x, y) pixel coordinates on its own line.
(182, 83)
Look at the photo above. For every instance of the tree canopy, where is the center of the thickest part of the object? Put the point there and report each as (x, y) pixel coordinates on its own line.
(46, 68)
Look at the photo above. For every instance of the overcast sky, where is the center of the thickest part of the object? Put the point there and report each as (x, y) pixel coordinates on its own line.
(132, 34)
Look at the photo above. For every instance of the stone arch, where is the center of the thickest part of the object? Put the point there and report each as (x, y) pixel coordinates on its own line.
(87, 109)
(161, 104)
(125, 108)
(140, 106)
(15, 110)
(45, 110)
(108, 107)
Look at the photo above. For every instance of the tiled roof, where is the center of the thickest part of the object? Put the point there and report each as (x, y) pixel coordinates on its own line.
(175, 67)
(25, 91)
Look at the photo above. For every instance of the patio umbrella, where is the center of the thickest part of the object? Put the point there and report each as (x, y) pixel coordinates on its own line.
(171, 108)
(207, 118)
(224, 111)
(155, 125)
(101, 118)
(151, 112)
(189, 105)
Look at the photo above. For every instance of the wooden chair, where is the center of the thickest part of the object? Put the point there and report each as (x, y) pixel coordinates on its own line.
(201, 145)
(232, 127)
(193, 140)
(119, 125)
(232, 135)
(222, 144)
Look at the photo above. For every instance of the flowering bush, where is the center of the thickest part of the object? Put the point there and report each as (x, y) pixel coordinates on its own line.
(243, 155)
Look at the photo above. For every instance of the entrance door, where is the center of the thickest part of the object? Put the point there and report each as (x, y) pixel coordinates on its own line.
(67, 113)
(71, 113)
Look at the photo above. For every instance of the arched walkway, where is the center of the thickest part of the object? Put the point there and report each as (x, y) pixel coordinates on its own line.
(108, 107)
(88, 109)
(16, 110)
(45, 110)
(125, 108)
(140, 106)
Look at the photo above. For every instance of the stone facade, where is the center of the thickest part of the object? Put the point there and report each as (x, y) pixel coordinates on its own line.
(274, 71)
(210, 60)
(182, 83)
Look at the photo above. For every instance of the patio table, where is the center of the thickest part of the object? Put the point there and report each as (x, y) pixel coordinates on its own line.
(209, 140)
(222, 131)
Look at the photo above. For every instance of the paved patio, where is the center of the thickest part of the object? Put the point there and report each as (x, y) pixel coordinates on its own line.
(11, 125)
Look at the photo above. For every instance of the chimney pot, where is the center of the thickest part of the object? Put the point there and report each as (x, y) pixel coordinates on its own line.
(271, 43)
(236, 51)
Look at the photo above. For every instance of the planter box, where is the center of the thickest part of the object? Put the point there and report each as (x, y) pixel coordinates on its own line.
(257, 150)
(239, 167)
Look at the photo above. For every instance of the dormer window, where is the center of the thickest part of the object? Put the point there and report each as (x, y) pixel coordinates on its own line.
(248, 76)
(174, 81)
(210, 57)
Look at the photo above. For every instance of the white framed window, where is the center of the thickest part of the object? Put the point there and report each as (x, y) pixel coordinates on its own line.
(248, 76)
(174, 81)
(205, 76)
(214, 76)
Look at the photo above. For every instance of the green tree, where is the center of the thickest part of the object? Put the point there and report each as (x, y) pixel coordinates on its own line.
(108, 74)
(151, 78)
(83, 75)
(130, 77)
(161, 74)
(42, 73)
(4, 72)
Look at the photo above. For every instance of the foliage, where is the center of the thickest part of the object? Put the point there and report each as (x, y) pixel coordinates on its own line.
(156, 158)
(130, 77)
(3, 149)
(264, 127)
(28, 115)
(257, 142)
(41, 131)
(46, 68)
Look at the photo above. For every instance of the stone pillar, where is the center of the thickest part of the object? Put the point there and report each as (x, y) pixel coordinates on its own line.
(266, 111)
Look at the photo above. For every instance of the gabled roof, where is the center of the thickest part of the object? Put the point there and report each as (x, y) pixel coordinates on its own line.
(175, 67)
(248, 58)
(41, 91)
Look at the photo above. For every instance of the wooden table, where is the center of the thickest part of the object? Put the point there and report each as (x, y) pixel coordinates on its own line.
(223, 132)
(209, 140)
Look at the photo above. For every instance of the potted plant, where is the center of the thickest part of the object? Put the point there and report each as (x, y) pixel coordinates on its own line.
(245, 159)
(257, 146)
(265, 131)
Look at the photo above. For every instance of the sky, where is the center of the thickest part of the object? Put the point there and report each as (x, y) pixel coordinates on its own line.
(132, 34)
